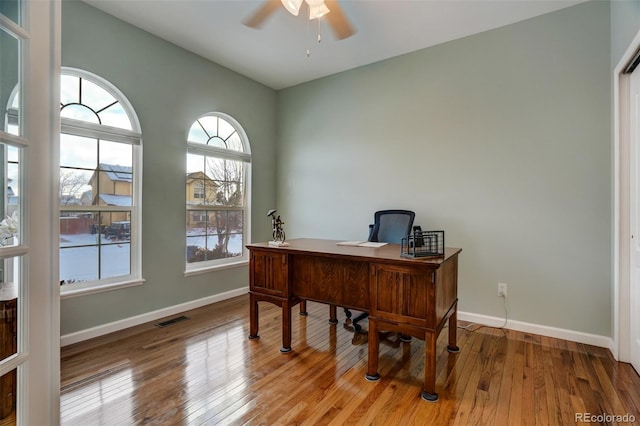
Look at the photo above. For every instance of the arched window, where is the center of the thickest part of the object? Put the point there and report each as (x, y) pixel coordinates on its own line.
(99, 193)
(218, 166)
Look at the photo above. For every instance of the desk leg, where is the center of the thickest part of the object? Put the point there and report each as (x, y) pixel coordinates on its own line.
(453, 332)
(253, 318)
(333, 314)
(372, 363)
(303, 308)
(286, 328)
(429, 392)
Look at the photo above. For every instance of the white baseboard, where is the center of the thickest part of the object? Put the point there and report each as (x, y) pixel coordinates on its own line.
(543, 330)
(101, 330)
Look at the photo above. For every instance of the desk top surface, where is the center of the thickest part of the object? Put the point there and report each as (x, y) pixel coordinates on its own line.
(331, 248)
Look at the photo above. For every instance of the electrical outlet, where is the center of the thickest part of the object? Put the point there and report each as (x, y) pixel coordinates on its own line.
(502, 290)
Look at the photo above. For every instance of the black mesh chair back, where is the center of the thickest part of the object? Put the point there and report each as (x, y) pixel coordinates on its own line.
(391, 226)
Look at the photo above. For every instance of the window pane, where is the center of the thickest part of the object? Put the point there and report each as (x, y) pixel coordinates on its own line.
(213, 235)
(215, 247)
(234, 247)
(76, 187)
(195, 163)
(210, 124)
(10, 195)
(78, 264)
(116, 154)
(115, 260)
(116, 116)
(236, 222)
(196, 249)
(197, 134)
(79, 112)
(94, 96)
(9, 80)
(217, 143)
(235, 143)
(225, 129)
(69, 89)
(78, 151)
(78, 229)
(116, 227)
(114, 188)
(12, 10)
(227, 175)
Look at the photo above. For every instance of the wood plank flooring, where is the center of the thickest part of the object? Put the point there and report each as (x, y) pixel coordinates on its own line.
(205, 371)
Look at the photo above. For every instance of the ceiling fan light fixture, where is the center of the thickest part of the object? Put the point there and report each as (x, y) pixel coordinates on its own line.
(292, 6)
(317, 9)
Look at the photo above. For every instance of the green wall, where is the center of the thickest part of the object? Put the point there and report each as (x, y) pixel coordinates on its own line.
(502, 139)
(625, 22)
(169, 88)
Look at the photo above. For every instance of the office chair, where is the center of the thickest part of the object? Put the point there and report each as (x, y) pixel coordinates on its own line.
(389, 226)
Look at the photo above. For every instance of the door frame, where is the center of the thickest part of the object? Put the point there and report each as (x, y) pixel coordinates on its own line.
(621, 315)
(40, 377)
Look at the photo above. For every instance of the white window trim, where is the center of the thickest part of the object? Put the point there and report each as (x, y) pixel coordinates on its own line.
(90, 287)
(221, 266)
(109, 133)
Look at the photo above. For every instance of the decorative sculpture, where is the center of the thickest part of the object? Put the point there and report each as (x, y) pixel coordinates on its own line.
(278, 231)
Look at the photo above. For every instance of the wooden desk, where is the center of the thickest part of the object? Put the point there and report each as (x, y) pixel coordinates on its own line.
(411, 296)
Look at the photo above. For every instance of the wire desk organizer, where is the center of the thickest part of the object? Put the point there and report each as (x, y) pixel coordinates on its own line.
(422, 244)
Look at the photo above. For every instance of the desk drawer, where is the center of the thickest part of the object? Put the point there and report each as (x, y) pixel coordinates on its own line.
(338, 281)
(403, 295)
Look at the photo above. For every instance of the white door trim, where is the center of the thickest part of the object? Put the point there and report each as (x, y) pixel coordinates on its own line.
(621, 200)
(40, 393)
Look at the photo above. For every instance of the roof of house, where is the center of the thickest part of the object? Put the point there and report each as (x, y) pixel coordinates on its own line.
(116, 172)
(116, 200)
(197, 176)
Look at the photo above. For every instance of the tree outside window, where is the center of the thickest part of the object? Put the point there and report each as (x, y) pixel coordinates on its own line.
(217, 166)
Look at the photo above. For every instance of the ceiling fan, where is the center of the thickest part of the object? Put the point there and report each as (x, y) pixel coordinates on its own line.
(317, 8)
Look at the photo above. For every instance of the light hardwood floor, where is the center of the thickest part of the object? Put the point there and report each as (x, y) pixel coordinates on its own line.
(205, 370)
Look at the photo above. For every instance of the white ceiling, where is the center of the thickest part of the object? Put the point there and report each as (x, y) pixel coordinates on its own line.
(275, 54)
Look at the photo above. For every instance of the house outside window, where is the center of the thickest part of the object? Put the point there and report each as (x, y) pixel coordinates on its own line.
(218, 167)
(100, 191)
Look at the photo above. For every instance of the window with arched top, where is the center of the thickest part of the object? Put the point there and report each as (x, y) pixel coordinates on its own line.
(218, 166)
(99, 187)
(84, 99)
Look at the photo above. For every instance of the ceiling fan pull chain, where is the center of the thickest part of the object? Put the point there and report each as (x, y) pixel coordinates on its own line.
(319, 36)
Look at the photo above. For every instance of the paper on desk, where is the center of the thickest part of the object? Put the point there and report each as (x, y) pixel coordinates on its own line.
(361, 244)
(371, 244)
(350, 243)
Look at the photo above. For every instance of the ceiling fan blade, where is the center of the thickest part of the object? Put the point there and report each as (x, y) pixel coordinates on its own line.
(338, 21)
(258, 18)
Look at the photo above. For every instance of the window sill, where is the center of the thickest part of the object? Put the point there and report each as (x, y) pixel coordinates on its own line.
(191, 272)
(77, 292)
